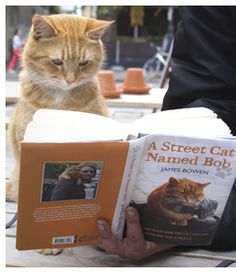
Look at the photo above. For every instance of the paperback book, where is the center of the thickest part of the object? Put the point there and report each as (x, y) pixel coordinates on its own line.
(178, 177)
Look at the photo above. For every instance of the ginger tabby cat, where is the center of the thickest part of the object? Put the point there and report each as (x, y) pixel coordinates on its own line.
(177, 199)
(60, 60)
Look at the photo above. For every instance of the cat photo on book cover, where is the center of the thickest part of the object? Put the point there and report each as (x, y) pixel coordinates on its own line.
(180, 200)
(179, 203)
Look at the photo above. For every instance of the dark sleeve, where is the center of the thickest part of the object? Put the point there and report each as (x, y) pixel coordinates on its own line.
(67, 190)
(204, 62)
(225, 237)
(61, 191)
(204, 74)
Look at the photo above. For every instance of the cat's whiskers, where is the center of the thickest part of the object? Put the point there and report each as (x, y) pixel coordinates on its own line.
(85, 81)
(40, 80)
(57, 89)
(46, 88)
(84, 85)
(60, 91)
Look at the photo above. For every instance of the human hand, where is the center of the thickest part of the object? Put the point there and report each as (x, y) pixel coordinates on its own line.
(134, 246)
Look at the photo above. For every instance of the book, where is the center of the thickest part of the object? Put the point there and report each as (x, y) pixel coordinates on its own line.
(178, 177)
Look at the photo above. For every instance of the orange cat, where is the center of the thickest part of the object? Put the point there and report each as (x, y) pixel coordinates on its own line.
(61, 57)
(177, 200)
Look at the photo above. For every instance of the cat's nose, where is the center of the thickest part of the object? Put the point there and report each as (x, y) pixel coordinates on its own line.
(70, 81)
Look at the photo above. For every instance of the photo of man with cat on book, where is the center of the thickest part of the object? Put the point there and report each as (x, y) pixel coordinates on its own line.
(75, 182)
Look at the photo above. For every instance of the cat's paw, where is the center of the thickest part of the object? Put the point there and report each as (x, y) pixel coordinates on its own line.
(11, 192)
(49, 251)
(223, 172)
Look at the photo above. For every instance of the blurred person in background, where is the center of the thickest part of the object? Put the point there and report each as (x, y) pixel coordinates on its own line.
(16, 51)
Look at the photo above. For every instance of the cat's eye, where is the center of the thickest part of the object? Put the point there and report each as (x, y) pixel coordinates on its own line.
(83, 63)
(57, 61)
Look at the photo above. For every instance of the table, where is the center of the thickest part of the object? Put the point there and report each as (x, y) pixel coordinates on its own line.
(91, 256)
(12, 91)
(152, 100)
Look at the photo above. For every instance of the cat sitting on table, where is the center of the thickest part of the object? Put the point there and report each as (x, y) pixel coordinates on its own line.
(60, 60)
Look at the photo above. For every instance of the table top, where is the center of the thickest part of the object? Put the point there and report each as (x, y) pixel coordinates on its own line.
(152, 100)
(92, 256)
(12, 91)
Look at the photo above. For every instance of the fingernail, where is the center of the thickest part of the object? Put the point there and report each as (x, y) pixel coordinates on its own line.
(131, 213)
(101, 226)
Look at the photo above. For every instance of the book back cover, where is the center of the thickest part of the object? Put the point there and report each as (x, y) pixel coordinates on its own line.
(54, 210)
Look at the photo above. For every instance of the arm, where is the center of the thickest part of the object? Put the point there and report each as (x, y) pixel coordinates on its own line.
(61, 191)
(203, 74)
(203, 62)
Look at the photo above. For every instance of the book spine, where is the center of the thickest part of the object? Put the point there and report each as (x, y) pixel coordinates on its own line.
(127, 185)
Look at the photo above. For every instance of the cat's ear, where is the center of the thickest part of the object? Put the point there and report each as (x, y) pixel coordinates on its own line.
(98, 29)
(41, 28)
(173, 181)
(203, 185)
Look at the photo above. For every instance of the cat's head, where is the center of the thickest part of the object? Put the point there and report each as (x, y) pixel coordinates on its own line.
(64, 51)
(71, 172)
(185, 190)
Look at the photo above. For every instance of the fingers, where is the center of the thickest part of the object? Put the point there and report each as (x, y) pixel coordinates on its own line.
(135, 243)
(109, 242)
(104, 229)
(131, 246)
(134, 230)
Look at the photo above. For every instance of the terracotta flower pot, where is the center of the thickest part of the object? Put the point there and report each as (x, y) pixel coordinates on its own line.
(108, 85)
(134, 82)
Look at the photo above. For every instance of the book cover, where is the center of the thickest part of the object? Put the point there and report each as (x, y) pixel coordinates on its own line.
(70, 219)
(182, 186)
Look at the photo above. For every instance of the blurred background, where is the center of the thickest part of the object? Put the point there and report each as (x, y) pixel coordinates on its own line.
(139, 32)
(140, 37)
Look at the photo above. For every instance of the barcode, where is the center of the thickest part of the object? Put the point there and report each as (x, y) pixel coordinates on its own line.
(63, 240)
